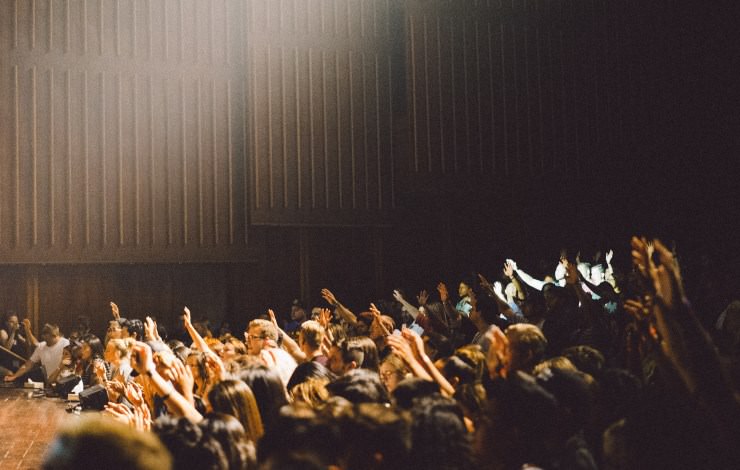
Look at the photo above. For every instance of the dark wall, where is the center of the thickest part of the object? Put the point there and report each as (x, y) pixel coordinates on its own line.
(356, 145)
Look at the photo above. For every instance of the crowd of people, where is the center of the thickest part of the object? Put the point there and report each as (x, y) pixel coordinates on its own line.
(588, 367)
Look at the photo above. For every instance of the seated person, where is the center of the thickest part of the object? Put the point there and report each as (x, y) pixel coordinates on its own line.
(48, 353)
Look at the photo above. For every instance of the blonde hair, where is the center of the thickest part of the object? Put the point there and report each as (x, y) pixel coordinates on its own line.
(266, 328)
(312, 392)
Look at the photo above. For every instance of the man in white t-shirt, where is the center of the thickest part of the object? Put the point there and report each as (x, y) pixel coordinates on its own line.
(48, 353)
(261, 336)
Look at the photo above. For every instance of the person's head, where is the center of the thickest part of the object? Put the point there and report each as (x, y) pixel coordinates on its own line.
(354, 353)
(392, 371)
(310, 336)
(473, 355)
(464, 289)
(485, 312)
(268, 390)
(297, 311)
(235, 398)
(50, 333)
(309, 370)
(360, 386)
(311, 392)
(412, 388)
(229, 432)
(98, 442)
(114, 330)
(189, 445)
(117, 350)
(261, 334)
(233, 348)
(11, 322)
(133, 328)
(458, 372)
(526, 347)
(521, 418)
(196, 361)
(586, 358)
(379, 323)
(439, 437)
(375, 437)
(92, 348)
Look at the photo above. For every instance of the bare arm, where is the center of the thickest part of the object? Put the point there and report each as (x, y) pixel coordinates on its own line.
(289, 343)
(343, 312)
(198, 340)
(32, 341)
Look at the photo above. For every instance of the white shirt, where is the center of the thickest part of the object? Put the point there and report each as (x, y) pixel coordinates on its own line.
(281, 361)
(49, 356)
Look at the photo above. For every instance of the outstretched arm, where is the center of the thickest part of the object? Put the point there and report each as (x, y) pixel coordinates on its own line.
(343, 312)
(288, 343)
(198, 340)
(526, 278)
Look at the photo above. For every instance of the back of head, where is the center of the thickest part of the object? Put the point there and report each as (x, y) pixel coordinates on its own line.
(229, 432)
(586, 358)
(527, 344)
(189, 446)
(439, 437)
(235, 398)
(412, 388)
(375, 437)
(97, 442)
(309, 370)
(268, 390)
(360, 386)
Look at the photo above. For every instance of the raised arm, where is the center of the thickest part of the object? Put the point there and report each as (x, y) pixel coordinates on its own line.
(526, 278)
(413, 311)
(142, 361)
(198, 340)
(288, 343)
(343, 312)
(32, 341)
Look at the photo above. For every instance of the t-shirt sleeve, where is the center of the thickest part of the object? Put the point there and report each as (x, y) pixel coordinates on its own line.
(36, 356)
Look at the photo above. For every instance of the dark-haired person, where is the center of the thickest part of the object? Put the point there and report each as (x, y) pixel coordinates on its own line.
(48, 353)
(12, 339)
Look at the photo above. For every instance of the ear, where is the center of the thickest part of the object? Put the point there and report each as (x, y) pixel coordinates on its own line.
(350, 366)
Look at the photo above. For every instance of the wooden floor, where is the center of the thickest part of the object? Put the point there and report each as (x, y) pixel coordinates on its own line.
(27, 425)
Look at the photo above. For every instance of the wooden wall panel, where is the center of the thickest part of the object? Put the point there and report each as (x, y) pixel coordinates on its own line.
(521, 89)
(124, 131)
(321, 111)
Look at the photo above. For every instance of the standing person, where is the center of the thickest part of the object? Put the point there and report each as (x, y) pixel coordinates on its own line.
(262, 339)
(48, 353)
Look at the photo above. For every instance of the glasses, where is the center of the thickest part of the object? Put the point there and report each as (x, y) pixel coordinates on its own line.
(251, 337)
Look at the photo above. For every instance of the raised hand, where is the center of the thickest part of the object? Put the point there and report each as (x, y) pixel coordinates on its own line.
(271, 313)
(423, 297)
(186, 318)
(509, 267)
(444, 295)
(398, 296)
(328, 296)
(183, 379)
(414, 340)
(27, 324)
(512, 263)
(150, 329)
(142, 358)
(609, 256)
(325, 318)
(571, 272)
(114, 310)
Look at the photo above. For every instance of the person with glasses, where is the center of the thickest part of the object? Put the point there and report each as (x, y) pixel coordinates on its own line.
(262, 337)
